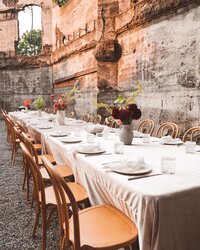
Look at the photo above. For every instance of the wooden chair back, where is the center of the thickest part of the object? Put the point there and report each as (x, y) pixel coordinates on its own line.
(97, 119)
(146, 126)
(62, 190)
(86, 118)
(190, 133)
(38, 192)
(166, 129)
(72, 114)
(35, 172)
(30, 148)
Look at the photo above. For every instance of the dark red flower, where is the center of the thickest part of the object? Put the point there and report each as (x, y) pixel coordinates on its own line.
(136, 113)
(115, 113)
(132, 107)
(125, 115)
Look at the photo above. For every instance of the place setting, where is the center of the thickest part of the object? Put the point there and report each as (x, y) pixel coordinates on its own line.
(137, 167)
(168, 140)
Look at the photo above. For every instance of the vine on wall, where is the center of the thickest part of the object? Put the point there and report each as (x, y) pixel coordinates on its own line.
(60, 2)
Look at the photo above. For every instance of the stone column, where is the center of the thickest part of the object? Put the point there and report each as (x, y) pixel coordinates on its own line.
(107, 52)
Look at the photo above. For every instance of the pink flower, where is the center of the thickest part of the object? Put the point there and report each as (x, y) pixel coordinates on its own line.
(52, 97)
(60, 102)
(119, 122)
(56, 105)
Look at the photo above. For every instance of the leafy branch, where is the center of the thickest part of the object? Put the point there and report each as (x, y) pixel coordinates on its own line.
(69, 95)
(131, 99)
(102, 105)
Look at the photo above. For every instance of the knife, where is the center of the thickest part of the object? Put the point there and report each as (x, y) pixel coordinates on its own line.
(97, 154)
(143, 176)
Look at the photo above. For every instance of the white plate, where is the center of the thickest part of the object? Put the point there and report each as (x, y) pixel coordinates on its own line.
(173, 143)
(44, 126)
(96, 151)
(60, 135)
(128, 170)
(71, 140)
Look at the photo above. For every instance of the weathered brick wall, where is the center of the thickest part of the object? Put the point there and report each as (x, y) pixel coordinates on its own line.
(107, 45)
(161, 50)
(74, 40)
(18, 84)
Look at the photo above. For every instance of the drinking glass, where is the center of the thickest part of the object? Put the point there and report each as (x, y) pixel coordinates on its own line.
(118, 147)
(146, 138)
(90, 138)
(168, 165)
(190, 147)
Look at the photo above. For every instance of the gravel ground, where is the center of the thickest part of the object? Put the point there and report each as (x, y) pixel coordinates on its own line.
(16, 214)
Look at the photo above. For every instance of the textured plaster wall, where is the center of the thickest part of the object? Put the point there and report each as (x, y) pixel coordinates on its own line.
(17, 85)
(165, 58)
(107, 45)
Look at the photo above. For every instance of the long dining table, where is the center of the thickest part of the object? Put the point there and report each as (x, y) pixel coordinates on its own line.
(165, 208)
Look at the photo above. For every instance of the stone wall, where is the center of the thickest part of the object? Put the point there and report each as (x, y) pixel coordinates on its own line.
(160, 49)
(20, 83)
(108, 45)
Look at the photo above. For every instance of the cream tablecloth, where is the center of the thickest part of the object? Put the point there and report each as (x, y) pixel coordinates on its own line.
(166, 208)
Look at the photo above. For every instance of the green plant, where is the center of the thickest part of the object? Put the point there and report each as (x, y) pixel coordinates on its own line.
(39, 103)
(30, 43)
(121, 100)
(60, 2)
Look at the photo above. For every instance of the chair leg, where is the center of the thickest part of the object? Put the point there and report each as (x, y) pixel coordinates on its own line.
(37, 216)
(49, 216)
(44, 228)
(24, 180)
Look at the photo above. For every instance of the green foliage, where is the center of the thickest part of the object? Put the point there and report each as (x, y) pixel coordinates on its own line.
(121, 100)
(39, 103)
(102, 105)
(69, 95)
(131, 99)
(60, 2)
(30, 43)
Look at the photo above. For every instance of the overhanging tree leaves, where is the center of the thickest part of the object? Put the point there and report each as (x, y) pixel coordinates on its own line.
(30, 43)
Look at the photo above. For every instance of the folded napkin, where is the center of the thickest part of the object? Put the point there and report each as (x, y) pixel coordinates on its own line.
(88, 148)
(95, 128)
(127, 166)
(169, 139)
(138, 134)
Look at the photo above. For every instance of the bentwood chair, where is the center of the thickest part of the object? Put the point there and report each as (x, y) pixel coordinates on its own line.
(37, 146)
(146, 126)
(72, 114)
(190, 133)
(97, 119)
(45, 196)
(64, 170)
(167, 129)
(86, 118)
(97, 227)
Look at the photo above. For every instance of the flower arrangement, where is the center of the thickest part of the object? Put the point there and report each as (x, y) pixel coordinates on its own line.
(27, 103)
(125, 110)
(39, 103)
(125, 115)
(62, 101)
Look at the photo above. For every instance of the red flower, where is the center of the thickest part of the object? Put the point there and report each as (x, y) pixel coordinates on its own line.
(115, 113)
(27, 102)
(52, 97)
